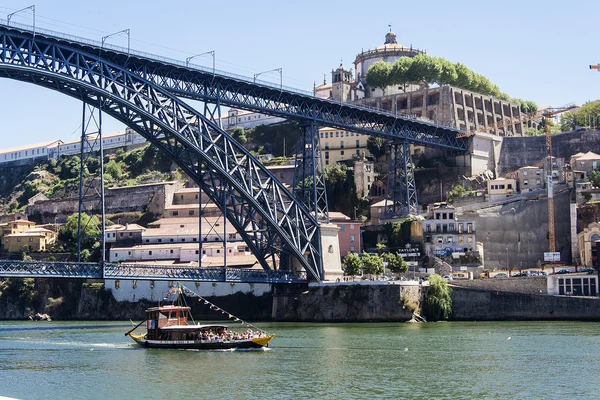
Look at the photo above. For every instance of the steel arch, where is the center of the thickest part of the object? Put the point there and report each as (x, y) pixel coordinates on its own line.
(213, 86)
(268, 217)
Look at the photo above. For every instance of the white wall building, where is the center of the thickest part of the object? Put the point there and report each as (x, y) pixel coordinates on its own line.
(28, 152)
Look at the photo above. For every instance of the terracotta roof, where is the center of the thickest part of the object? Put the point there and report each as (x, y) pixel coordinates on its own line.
(35, 230)
(589, 156)
(338, 216)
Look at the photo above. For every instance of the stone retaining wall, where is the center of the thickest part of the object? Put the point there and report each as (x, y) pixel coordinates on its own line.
(484, 305)
(527, 285)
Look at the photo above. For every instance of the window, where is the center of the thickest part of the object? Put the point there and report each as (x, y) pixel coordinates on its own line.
(342, 144)
(149, 252)
(352, 238)
(30, 239)
(130, 234)
(327, 155)
(352, 249)
(357, 144)
(525, 181)
(175, 213)
(337, 134)
(171, 251)
(351, 226)
(128, 253)
(509, 186)
(147, 240)
(327, 145)
(524, 173)
(469, 228)
(342, 228)
(121, 234)
(159, 240)
(191, 212)
(427, 228)
(342, 153)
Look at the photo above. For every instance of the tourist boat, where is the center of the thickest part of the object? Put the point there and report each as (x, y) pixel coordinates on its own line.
(168, 327)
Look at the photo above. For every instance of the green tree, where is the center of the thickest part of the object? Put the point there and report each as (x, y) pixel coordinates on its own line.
(378, 75)
(426, 69)
(456, 192)
(595, 178)
(380, 248)
(90, 231)
(376, 146)
(464, 76)
(372, 264)
(448, 74)
(395, 262)
(114, 170)
(239, 134)
(400, 71)
(353, 264)
(335, 173)
(438, 300)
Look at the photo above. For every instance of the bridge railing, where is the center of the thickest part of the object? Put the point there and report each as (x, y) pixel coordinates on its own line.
(150, 272)
(47, 269)
(56, 269)
(154, 57)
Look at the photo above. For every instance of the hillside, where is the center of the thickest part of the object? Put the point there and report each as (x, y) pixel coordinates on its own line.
(60, 178)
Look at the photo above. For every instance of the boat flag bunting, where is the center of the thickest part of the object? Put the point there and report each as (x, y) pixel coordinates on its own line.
(183, 289)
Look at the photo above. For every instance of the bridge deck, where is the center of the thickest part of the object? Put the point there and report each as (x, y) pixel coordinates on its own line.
(196, 82)
(33, 269)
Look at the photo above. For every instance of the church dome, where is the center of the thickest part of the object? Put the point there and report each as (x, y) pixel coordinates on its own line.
(390, 38)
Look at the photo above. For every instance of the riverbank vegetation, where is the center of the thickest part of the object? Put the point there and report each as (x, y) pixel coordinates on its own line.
(438, 303)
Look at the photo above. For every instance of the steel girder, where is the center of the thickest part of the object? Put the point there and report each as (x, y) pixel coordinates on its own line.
(141, 272)
(42, 269)
(401, 191)
(187, 81)
(29, 269)
(271, 221)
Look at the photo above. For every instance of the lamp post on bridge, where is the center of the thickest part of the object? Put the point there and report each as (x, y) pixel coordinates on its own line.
(32, 8)
(212, 53)
(280, 70)
(127, 31)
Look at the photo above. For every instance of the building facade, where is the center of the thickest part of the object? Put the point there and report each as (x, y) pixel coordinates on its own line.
(445, 234)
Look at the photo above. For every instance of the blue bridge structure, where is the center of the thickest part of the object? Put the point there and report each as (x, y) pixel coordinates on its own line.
(147, 93)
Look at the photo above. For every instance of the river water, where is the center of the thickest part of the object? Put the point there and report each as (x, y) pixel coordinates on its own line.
(458, 360)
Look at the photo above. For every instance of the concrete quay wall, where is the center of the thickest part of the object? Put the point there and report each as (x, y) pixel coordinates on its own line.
(351, 302)
(526, 285)
(489, 305)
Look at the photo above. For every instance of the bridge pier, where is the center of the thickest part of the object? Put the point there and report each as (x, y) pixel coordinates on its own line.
(401, 191)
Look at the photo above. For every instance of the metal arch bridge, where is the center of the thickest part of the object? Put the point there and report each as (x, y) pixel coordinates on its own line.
(29, 269)
(140, 91)
(222, 88)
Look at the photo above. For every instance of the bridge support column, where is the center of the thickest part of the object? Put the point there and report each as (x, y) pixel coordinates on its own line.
(91, 184)
(401, 191)
(309, 177)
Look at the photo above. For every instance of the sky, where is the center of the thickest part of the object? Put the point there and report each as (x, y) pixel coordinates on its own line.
(534, 50)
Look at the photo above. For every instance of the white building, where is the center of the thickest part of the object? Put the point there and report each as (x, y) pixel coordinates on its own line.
(29, 152)
(444, 234)
(125, 138)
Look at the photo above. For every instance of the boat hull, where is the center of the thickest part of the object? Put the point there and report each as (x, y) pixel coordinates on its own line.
(255, 343)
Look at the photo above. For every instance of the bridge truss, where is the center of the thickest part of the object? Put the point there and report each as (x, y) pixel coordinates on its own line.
(27, 269)
(271, 221)
(143, 92)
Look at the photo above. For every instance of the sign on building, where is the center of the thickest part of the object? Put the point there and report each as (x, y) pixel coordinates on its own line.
(551, 256)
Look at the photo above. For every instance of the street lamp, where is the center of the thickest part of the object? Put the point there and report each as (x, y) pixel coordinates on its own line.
(507, 269)
(212, 53)
(32, 8)
(280, 70)
(127, 31)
